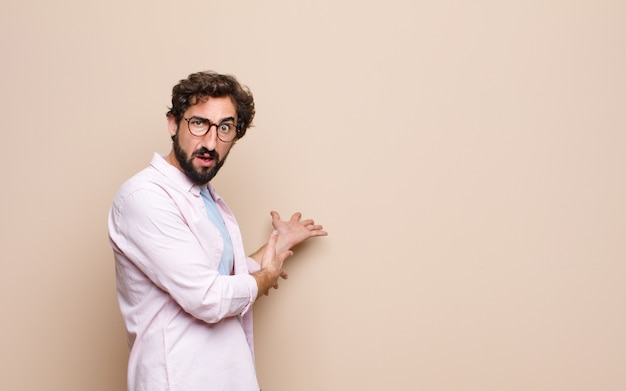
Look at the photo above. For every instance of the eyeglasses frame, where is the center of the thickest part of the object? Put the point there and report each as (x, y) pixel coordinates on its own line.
(211, 124)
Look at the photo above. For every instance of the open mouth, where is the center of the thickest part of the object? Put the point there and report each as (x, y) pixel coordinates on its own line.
(206, 159)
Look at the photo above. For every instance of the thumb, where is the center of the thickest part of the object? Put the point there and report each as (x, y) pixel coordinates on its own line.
(275, 217)
(270, 248)
(271, 242)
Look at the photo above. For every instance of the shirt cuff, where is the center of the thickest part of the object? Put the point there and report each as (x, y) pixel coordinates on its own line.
(253, 291)
(253, 265)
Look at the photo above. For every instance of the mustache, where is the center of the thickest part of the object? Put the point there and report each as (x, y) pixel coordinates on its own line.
(204, 151)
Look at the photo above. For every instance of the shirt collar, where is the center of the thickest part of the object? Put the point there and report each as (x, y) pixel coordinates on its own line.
(179, 177)
(174, 174)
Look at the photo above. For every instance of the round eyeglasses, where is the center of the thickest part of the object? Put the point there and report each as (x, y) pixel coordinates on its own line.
(198, 126)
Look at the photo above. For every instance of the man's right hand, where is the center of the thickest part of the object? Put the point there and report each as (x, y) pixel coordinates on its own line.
(271, 266)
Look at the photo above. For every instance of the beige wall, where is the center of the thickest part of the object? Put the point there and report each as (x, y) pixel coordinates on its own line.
(467, 159)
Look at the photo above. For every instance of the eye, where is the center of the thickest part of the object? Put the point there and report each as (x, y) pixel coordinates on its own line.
(197, 122)
(225, 128)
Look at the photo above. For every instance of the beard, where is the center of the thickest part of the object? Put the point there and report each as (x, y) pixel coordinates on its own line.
(198, 177)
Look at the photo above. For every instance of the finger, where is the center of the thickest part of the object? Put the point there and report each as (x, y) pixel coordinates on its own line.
(319, 233)
(284, 255)
(283, 274)
(275, 216)
(271, 242)
(307, 222)
(296, 216)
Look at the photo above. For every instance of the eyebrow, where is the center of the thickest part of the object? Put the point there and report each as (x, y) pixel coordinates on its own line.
(231, 119)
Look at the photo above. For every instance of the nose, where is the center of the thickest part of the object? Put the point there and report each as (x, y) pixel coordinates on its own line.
(209, 140)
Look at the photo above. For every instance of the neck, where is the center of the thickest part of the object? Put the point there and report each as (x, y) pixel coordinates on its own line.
(171, 159)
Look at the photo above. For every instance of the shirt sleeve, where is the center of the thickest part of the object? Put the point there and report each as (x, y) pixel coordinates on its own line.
(148, 229)
(253, 266)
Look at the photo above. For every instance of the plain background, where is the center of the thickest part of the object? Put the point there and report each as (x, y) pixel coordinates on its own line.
(466, 157)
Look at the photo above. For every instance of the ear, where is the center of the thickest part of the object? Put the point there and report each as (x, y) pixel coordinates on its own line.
(172, 125)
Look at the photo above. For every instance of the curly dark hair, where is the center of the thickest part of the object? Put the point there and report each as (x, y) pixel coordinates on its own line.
(201, 85)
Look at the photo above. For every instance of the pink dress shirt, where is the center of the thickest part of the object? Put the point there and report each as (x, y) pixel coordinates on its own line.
(188, 327)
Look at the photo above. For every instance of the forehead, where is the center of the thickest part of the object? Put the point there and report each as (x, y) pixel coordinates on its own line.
(213, 108)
